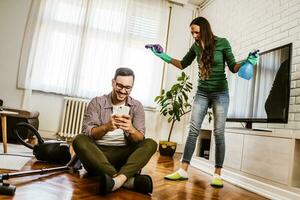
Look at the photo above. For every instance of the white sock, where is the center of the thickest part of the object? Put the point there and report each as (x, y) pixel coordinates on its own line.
(119, 181)
(182, 173)
(217, 176)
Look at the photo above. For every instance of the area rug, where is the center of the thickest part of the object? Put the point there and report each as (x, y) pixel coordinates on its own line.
(15, 158)
(13, 162)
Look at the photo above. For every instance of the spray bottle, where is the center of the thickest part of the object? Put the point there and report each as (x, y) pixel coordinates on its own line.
(246, 71)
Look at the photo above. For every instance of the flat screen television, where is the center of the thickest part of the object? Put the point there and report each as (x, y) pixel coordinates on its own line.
(265, 97)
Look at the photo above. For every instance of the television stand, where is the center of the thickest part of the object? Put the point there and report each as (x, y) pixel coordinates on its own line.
(247, 129)
(267, 163)
(248, 125)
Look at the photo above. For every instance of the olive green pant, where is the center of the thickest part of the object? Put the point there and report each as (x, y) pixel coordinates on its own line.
(113, 160)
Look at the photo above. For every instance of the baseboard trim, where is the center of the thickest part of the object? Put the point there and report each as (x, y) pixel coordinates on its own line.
(263, 189)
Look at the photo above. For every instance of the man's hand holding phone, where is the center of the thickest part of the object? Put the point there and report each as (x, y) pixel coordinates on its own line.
(124, 122)
(111, 124)
(122, 118)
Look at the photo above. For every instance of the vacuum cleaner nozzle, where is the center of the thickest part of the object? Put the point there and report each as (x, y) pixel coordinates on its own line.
(7, 189)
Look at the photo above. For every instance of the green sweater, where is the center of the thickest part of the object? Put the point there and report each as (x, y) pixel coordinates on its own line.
(217, 79)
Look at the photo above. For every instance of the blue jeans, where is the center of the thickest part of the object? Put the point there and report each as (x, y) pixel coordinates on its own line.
(219, 102)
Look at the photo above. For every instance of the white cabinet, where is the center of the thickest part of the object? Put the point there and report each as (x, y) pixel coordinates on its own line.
(234, 150)
(264, 162)
(267, 157)
(295, 177)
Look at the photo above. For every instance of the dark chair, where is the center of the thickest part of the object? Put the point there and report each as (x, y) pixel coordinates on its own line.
(23, 116)
(1, 104)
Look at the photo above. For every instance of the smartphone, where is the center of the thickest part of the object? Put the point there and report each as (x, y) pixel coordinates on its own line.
(121, 110)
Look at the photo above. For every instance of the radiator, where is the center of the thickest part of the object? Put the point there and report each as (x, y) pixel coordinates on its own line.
(73, 112)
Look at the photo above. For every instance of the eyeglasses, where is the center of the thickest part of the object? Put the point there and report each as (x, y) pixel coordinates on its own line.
(121, 86)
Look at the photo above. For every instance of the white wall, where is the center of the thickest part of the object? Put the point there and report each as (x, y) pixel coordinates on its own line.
(13, 19)
(13, 16)
(261, 25)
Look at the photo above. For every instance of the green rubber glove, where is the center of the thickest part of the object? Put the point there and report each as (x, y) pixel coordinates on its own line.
(162, 55)
(253, 58)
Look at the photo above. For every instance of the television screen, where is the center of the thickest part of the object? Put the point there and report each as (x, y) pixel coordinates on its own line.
(265, 97)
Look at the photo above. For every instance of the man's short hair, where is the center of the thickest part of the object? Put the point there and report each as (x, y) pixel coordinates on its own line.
(123, 71)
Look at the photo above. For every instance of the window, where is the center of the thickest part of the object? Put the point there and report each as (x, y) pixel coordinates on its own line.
(78, 44)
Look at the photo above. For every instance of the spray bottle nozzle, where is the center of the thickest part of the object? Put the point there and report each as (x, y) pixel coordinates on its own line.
(254, 52)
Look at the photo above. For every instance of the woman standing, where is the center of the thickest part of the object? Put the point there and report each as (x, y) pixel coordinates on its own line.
(211, 53)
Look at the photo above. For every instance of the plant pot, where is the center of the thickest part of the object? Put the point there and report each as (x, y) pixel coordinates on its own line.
(167, 148)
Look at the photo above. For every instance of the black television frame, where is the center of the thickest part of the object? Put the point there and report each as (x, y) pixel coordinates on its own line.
(248, 121)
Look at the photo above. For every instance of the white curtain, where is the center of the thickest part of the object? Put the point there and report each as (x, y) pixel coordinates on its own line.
(76, 45)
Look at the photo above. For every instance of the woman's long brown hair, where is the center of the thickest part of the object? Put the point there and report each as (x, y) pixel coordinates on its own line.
(207, 37)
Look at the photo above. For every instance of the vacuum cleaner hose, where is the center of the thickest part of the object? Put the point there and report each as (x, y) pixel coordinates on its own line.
(32, 129)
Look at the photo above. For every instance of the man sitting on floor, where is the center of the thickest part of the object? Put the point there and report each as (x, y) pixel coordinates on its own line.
(113, 146)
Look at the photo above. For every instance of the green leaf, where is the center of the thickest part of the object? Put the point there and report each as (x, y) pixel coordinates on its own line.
(174, 87)
(183, 74)
(186, 89)
(185, 96)
(169, 95)
(164, 106)
(163, 102)
(180, 100)
(180, 78)
(157, 98)
(164, 112)
(187, 105)
(176, 106)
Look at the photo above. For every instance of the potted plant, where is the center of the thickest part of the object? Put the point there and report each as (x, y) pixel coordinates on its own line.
(174, 104)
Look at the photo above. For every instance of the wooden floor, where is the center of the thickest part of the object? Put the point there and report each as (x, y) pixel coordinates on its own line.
(64, 186)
